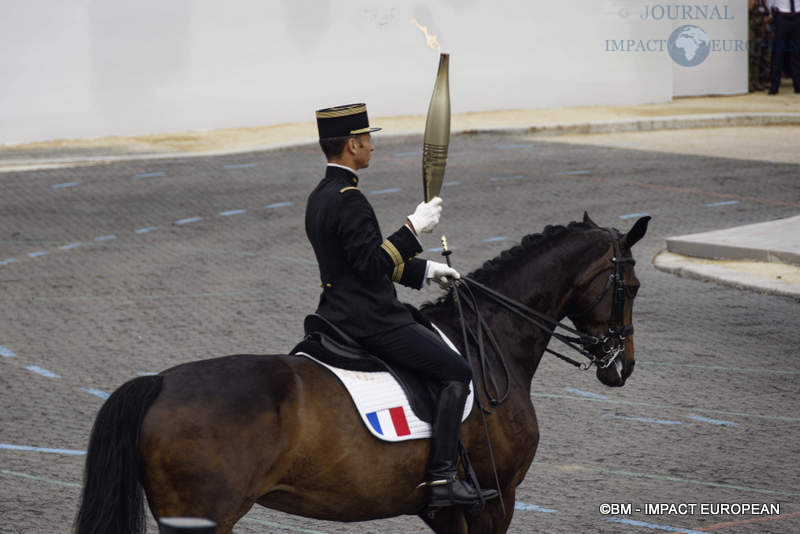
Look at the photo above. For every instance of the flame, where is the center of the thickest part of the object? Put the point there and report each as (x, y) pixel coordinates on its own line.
(432, 41)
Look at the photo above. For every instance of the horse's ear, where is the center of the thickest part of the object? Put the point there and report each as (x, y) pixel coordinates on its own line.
(588, 221)
(637, 232)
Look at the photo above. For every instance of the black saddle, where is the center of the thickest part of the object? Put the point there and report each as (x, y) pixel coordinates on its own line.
(329, 344)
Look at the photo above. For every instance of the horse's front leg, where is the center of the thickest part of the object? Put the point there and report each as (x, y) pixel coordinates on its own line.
(492, 520)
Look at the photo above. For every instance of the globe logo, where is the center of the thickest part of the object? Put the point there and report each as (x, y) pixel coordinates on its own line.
(688, 46)
(623, 13)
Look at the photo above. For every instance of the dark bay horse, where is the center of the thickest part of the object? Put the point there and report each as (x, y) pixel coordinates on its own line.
(212, 438)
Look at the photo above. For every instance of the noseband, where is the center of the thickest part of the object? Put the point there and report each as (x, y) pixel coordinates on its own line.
(612, 344)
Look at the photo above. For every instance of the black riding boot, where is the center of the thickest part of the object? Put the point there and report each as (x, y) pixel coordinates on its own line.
(446, 489)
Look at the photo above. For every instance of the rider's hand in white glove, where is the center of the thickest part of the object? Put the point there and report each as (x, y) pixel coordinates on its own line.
(440, 273)
(426, 216)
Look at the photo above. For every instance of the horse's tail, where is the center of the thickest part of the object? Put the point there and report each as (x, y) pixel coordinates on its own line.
(113, 498)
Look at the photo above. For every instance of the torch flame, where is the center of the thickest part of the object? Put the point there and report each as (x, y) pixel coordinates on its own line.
(432, 41)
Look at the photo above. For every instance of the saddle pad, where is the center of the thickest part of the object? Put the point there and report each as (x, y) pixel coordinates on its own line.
(382, 403)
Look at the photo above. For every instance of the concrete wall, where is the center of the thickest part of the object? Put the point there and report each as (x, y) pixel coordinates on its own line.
(94, 68)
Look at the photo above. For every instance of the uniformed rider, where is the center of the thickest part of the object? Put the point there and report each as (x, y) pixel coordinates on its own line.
(357, 270)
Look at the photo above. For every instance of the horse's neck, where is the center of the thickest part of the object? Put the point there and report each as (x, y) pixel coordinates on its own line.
(540, 281)
(522, 342)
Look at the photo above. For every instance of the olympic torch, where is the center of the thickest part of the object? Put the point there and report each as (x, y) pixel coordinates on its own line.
(437, 132)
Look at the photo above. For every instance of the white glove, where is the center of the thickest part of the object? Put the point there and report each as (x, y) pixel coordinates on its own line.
(426, 216)
(439, 273)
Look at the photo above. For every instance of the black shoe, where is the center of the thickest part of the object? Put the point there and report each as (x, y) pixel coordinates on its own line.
(773, 92)
(446, 489)
(456, 491)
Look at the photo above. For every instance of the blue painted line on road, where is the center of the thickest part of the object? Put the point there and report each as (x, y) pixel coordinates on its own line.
(532, 508)
(585, 393)
(231, 212)
(451, 183)
(279, 205)
(573, 172)
(105, 237)
(385, 191)
(188, 220)
(505, 178)
(713, 421)
(725, 203)
(647, 420)
(39, 479)
(514, 147)
(145, 230)
(241, 166)
(148, 175)
(632, 215)
(494, 239)
(37, 254)
(11, 447)
(5, 352)
(69, 247)
(404, 154)
(8, 261)
(636, 523)
(40, 371)
(436, 249)
(96, 392)
(65, 185)
(146, 373)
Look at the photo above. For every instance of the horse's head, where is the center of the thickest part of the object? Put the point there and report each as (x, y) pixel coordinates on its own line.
(602, 303)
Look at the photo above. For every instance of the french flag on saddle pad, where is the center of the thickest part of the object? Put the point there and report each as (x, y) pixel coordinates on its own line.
(390, 422)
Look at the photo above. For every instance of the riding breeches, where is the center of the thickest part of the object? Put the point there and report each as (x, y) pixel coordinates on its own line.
(415, 347)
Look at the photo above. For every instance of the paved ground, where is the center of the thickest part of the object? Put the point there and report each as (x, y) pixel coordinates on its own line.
(709, 416)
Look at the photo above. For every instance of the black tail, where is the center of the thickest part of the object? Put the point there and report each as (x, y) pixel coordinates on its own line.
(113, 499)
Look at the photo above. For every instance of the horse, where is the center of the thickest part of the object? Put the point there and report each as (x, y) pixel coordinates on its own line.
(212, 438)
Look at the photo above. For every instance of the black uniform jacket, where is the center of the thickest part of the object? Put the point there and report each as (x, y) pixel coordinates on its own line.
(357, 266)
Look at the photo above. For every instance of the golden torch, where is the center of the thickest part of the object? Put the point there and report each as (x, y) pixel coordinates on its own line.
(437, 132)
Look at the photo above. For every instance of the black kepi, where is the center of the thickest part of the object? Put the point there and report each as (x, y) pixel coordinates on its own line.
(343, 121)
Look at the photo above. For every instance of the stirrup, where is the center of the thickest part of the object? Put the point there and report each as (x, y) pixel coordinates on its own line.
(440, 482)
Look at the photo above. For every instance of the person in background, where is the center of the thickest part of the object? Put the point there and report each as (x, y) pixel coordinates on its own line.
(786, 24)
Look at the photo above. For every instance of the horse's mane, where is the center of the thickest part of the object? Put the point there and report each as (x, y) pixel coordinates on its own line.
(510, 256)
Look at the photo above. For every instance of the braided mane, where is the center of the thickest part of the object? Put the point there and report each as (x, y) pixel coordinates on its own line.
(510, 256)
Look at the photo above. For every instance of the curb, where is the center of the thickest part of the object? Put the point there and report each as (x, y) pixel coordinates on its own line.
(726, 273)
(722, 120)
(674, 122)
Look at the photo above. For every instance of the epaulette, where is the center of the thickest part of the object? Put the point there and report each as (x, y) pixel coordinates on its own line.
(342, 190)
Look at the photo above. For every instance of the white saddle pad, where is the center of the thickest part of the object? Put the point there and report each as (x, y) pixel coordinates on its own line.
(382, 403)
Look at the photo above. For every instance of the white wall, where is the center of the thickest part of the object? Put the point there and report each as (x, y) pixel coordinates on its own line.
(722, 72)
(90, 68)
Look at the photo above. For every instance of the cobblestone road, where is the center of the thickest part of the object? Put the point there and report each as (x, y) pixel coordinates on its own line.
(113, 270)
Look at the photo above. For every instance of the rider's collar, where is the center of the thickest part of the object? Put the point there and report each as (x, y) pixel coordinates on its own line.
(355, 174)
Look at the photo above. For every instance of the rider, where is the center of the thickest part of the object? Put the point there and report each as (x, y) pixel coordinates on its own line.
(357, 267)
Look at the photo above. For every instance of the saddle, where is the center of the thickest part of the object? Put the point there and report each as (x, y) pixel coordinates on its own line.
(330, 345)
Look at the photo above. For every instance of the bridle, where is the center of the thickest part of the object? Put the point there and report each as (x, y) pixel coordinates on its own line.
(613, 342)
